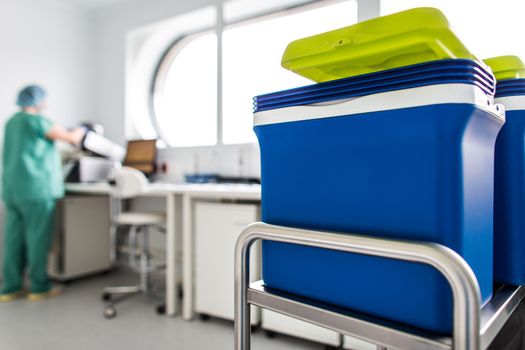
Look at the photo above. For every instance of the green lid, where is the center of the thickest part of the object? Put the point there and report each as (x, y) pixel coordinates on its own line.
(506, 67)
(401, 39)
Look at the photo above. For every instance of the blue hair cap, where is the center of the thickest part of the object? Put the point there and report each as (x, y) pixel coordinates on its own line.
(31, 95)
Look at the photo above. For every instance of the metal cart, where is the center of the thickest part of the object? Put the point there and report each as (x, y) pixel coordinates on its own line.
(473, 329)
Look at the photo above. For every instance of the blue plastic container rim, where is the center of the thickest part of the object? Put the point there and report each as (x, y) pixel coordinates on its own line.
(422, 68)
(385, 82)
(517, 92)
(372, 88)
(510, 87)
(336, 85)
(362, 92)
(511, 82)
(320, 90)
(417, 68)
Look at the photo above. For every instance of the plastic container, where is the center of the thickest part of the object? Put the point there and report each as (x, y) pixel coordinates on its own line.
(409, 163)
(506, 67)
(401, 39)
(509, 199)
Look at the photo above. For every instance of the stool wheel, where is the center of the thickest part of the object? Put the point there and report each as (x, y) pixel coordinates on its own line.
(204, 317)
(161, 308)
(331, 347)
(110, 312)
(270, 334)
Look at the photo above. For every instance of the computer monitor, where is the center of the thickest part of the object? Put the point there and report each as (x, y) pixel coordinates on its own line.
(142, 155)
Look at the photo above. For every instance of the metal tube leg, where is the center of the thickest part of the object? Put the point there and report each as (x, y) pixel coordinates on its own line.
(144, 260)
(172, 244)
(132, 246)
(242, 308)
(113, 244)
(461, 278)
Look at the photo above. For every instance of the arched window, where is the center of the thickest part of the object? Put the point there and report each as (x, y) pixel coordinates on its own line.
(185, 93)
(185, 104)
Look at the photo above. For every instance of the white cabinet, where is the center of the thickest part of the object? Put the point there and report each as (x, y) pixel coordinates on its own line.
(81, 241)
(217, 227)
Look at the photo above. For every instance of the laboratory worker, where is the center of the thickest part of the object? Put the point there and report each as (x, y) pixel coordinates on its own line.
(32, 182)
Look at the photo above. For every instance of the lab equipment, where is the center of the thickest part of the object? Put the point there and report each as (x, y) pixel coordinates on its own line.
(100, 146)
(509, 190)
(31, 95)
(90, 169)
(81, 241)
(401, 39)
(201, 178)
(391, 155)
(132, 183)
(97, 157)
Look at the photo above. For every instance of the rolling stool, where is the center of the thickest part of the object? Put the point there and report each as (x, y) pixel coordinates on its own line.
(131, 183)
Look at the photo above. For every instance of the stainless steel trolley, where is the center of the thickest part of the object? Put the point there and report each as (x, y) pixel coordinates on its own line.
(473, 329)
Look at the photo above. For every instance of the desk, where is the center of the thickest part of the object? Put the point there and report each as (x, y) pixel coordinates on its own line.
(154, 190)
(188, 193)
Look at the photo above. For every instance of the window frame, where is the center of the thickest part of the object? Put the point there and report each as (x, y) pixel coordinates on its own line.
(171, 51)
(160, 74)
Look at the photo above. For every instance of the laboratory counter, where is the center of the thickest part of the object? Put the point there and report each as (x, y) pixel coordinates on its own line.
(186, 194)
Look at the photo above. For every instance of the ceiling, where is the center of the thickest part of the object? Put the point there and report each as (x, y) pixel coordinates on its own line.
(94, 4)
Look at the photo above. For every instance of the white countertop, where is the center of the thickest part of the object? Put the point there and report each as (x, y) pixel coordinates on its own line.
(238, 191)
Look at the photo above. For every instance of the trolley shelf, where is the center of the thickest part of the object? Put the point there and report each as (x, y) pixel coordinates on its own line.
(473, 329)
(379, 331)
(494, 315)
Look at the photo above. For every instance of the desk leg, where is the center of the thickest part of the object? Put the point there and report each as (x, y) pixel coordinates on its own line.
(171, 257)
(187, 265)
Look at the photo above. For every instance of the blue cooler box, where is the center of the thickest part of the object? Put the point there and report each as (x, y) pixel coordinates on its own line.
(411, 159)
(509, 210)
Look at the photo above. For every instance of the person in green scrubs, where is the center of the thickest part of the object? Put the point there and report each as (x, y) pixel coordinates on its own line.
(32, 182)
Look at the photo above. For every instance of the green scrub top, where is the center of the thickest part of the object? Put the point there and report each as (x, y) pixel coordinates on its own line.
(32, 169)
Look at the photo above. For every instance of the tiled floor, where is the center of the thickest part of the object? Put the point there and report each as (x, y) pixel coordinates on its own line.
(74, 321)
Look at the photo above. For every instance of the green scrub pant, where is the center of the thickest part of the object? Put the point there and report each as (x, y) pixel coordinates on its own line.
(28, 234)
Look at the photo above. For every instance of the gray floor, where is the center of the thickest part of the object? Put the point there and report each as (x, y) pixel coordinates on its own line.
(74, 321)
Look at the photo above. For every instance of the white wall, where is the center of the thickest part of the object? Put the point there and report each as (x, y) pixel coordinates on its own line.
(49, 42)
(112, 25)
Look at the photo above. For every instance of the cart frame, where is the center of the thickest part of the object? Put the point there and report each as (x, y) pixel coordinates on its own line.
(473, 328)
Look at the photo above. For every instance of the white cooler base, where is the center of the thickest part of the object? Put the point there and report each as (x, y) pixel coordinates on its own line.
(351, 343)
(275, 322)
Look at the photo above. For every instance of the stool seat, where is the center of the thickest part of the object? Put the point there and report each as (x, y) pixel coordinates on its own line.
(141, 218)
